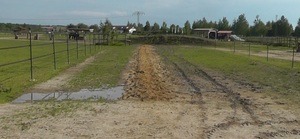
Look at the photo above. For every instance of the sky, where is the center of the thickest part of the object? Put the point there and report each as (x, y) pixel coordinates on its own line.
(119, 12)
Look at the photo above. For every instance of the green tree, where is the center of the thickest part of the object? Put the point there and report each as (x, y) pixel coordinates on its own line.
(212, 24)
(82, 26)
(71, 26)
(155, 28)
(3, 27)
(282, 27)
(297, 29)
(223, 24)
(259, 28)
(269, 25)
(140, 28)
(172, 29)
(106, 29)
(164, 28)
(241, 25)
(195, 25)
(187, 28)
(147, 27)
(95, 27)
(203, 23)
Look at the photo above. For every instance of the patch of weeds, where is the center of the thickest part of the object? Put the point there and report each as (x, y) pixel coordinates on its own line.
(101, 100)
(95, 111)
(5, 127)
(25, 126)
(253, 63)
(4, 89)
(58, 108)
(117, 44)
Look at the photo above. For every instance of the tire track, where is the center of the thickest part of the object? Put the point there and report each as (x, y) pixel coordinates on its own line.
(188, 70)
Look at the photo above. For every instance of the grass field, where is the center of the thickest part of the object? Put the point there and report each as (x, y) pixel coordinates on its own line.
(15, 79)
(275, 76)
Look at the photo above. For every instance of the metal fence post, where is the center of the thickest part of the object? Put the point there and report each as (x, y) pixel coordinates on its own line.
(54, 51)
(125, 39)
(68, 49)
(215, 43)
(249, 48)
(90, 43)
(31, 59)
(84, 44)
(267, 52)
(77, 47)
(293, 59)
(234, 46)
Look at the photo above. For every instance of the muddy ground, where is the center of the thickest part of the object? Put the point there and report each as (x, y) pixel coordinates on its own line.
(165, 98)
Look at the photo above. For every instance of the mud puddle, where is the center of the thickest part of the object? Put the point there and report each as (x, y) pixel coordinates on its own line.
(109, 94)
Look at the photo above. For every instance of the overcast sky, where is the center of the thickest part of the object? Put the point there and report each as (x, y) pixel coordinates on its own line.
(119, 12)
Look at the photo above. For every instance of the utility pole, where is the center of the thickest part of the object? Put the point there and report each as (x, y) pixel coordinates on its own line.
(138, 14)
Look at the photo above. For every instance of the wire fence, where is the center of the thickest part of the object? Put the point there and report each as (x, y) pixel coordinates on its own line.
(35, 49)
(275, 41)
(288, 52)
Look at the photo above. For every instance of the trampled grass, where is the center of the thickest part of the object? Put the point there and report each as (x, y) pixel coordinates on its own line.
(15, 79)
(275, 76)
(105, 70)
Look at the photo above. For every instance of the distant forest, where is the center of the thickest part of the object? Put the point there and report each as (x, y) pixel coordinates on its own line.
(9, 27)
(239, 26)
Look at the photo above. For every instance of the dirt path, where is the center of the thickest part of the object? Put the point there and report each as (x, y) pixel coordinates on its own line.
(165, 98)
(147, 78)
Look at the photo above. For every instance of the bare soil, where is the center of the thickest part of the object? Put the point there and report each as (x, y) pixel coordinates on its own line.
(164, 98)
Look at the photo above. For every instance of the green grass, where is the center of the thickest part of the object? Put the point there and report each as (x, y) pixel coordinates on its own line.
(15, 79)
(6, 35)
(275, 76)
(254, 48)
(105, 70)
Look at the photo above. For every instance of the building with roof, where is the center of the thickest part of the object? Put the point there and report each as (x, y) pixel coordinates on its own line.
(210, 33)
(224, 34)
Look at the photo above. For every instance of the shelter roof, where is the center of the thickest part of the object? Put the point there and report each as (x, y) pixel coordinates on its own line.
(206, 29)
(225, 32)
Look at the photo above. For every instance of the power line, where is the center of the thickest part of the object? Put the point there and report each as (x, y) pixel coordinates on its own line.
(138, 14)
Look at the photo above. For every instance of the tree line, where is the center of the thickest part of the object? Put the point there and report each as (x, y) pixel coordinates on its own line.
(239, 26)
(9, 27)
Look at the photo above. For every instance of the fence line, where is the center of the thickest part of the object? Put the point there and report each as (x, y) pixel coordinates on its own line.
(250, 48)
(54, 52)
(280, 41)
